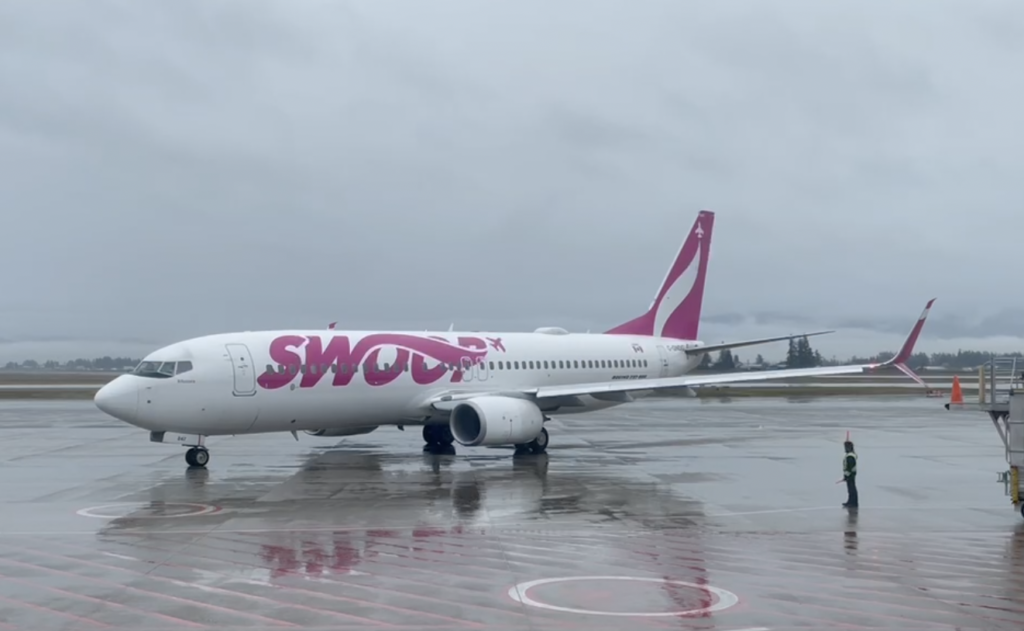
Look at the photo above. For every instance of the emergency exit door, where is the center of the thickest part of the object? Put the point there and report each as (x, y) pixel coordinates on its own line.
(663, 358)
(245, 373)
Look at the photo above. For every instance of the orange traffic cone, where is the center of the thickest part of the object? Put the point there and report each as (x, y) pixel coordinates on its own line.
(957, 396)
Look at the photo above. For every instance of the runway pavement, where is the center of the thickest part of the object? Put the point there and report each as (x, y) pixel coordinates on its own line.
(664, 514)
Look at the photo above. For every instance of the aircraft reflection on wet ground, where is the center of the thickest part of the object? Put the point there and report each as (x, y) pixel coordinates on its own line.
(695, 516)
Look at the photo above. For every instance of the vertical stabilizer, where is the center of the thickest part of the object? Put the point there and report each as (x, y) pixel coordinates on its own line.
(675, 311)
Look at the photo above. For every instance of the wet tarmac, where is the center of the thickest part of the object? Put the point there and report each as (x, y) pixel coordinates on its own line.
(666, 514)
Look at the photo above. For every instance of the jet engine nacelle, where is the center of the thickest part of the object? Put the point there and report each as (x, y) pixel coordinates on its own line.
(341, 431)
(495, 420)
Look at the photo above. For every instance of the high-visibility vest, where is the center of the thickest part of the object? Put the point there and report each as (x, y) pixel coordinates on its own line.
(852, 471)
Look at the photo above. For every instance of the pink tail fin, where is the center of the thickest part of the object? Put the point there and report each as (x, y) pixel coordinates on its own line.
(675, 311)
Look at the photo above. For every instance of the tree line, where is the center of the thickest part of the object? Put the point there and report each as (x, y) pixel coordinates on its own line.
(98, 363)
(800, 354)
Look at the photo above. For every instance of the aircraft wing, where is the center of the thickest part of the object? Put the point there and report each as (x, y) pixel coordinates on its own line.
(448, 401)
(764, 340)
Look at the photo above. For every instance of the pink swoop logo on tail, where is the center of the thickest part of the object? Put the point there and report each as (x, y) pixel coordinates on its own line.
(317, 353)
(676, 309)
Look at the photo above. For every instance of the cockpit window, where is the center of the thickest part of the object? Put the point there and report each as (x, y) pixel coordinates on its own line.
(161, 370)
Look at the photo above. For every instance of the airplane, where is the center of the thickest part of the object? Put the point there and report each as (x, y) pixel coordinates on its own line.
(475, 388)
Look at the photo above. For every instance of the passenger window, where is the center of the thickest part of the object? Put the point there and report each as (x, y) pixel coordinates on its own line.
(575, 363)
(517, 365)
(313, 369)
(545, 364)
(491, 367)
(334, 368)
(187, 366)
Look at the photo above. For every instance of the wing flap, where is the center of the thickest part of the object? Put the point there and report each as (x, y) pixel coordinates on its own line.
(694, 380)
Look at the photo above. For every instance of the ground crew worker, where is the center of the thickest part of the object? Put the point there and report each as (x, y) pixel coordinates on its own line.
(850, 475)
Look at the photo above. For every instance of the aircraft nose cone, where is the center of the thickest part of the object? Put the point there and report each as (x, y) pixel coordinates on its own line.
(119, 398)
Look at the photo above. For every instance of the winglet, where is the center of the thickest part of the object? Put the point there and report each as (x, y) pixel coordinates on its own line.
(899, 360)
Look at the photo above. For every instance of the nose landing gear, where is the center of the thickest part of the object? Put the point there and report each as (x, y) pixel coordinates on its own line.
(197, 457)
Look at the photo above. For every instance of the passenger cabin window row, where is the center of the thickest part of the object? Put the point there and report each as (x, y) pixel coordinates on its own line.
(161, 370)
(561, 364)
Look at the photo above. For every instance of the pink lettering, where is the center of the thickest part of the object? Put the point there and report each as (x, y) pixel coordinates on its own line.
(423, 375)
(466, 363)
(281, 353)
(377, 376)
(319, 360)
(341, 358)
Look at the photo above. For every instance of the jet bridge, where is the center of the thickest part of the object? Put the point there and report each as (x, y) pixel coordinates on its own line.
(1001, 394)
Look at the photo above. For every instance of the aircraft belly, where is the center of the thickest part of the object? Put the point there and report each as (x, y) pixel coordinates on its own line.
(327, 406)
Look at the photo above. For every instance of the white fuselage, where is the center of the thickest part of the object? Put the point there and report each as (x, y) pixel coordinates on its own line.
(273, 381)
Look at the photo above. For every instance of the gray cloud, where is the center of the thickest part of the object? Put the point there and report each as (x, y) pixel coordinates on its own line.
(186, 167)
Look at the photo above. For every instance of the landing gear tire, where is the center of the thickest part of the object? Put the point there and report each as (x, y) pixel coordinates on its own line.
(438, 439)
(197, 457)
(539, 444)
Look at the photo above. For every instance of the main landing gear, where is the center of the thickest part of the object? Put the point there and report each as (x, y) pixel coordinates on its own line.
(197, 457)
(538, 445)
(438, 439)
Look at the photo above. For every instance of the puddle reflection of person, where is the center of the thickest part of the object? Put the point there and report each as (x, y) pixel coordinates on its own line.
(850, 536)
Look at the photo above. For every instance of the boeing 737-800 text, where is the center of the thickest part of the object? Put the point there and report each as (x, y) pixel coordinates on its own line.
(477, 389)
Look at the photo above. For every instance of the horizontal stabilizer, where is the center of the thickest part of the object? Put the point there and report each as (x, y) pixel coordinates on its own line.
(764, 340)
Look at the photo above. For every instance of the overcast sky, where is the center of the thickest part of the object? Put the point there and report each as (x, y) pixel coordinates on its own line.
(181, 167)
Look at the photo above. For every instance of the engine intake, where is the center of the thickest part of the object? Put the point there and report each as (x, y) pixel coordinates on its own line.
(494, 420)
